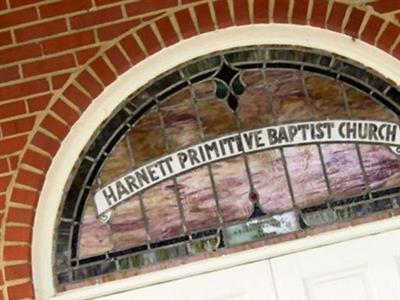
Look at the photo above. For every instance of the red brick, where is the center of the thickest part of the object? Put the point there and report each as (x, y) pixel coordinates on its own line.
(336, 16)
(281, 9)
(4, 167)
(69, 41)
(18, 234)
(38, 103)
(261, 11)
(151, 17)
(23, 89)
(9, 74)
(55, 126)
(46, 143)
(371, 30)
(36, 160)
(96, 17)
(20, 215)
(4, 182)
(44, 29)
(149, 39)
(25, 197)
(14, 161)
(146, 6)
(18, 17)
(117, 59)
(19, 53)
(18, 3)
(242, 14)
(90, 84)
(132, 49)
(204, 18)
(58, 81)
(396, 51)
(185, 23)
(388, 37)
(354, 23)
(64, 7)
(223, 17)
(31, 179)
(84, 55)
(77, 97)
(103, 71)
(18, 126)
(167, 31)
(113, 31)
(49, 65)
(318, 14)
(12, 109)
(64, 111)
(3, 5)
(2, 202)
(12, 145)
(17, 253)
(20, 291)
(17, 271)
(1, 283)
(299, 15)
(5, 38)
(384, 6)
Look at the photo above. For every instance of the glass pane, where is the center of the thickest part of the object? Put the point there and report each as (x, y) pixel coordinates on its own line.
(381, 166)
(198, 199)
(180, 120)
(217, 119)
(326, 97)
(270, 181)
(162, 211)
(343, 169)
(94, 236)
(146, 138)
(127, 225)
(306, 175)
(232, 188)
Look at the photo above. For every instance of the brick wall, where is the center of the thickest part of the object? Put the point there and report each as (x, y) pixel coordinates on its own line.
(56, 57)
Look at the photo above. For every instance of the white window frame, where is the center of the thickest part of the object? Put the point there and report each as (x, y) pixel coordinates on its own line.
(133, 79)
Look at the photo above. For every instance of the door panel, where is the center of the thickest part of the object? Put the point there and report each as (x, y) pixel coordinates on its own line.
(364, 269)
(247, 282)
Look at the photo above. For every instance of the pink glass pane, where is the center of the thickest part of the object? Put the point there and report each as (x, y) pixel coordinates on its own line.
(270, 181)
(232, 188)
(198, 199)
(306, 175)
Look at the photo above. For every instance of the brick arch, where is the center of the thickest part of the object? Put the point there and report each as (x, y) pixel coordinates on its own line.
(103, 67)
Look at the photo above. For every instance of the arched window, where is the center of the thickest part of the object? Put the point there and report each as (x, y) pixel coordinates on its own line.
(240, 198)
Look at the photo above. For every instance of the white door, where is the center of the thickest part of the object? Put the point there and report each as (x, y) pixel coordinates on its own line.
(362, 269)
(248, 282)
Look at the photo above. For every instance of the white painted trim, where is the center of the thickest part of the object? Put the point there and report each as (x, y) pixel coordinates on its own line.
(137, 76)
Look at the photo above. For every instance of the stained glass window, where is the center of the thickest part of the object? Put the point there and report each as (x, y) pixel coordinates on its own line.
(234, 203)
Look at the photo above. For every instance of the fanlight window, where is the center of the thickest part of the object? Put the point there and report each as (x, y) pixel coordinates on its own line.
(243, 201)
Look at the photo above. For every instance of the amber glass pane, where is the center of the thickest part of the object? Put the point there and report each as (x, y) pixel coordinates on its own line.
(289, 99)
(217, 119)
(146, 138)
(117, 163)
(326, 97)
(362, 106)
(180, 120)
